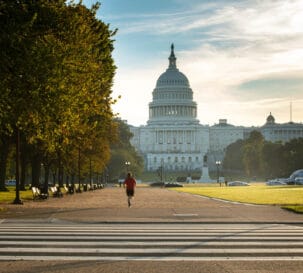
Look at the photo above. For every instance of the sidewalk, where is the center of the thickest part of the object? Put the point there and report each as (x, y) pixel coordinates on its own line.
(149, 205)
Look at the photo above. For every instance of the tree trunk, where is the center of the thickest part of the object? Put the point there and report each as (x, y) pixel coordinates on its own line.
(46, 177)
(23, 170)
(4, 150)
(36, 171)
(60, 175)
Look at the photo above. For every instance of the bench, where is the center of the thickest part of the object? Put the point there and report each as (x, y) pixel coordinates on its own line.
(55, 191)
(37, 195)
(69, 190)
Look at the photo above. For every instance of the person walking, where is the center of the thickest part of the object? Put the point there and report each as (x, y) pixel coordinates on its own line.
(130, 185)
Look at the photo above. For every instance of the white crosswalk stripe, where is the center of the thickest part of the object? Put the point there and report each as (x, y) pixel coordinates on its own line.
(150, 241)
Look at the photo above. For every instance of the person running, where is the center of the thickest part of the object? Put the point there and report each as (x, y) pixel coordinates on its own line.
(130, 184)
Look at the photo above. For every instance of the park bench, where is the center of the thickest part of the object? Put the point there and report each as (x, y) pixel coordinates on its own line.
(37, 195)
(55, 191)
(69, 190)
(100, 186)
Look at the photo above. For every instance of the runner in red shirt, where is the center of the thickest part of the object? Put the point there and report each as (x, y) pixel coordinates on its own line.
(130, 184)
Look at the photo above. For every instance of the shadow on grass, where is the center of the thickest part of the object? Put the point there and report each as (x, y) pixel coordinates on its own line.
(294, 208)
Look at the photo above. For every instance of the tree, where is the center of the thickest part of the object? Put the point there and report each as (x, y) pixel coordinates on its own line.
(233, 160)
(252, 154)
(56, 75)
(121, 152)
(273, 157)
(293, 154)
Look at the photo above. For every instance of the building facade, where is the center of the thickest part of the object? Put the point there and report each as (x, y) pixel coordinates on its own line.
(173, 137)
(175, 140)
(282, 132)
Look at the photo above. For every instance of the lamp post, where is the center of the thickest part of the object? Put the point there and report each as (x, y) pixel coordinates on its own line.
(127, 164)
(79, 170)
(162, 167)
(105, 176)
(218, 163)
(90, 168)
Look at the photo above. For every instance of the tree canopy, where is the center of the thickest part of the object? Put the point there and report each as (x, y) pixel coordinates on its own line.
(56, 76)
(122, 152)
(255, 156)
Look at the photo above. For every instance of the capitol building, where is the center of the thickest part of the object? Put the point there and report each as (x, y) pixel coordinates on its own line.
(174, 138)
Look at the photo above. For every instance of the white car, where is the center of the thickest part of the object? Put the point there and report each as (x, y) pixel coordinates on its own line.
(275, 182)
(11, 182)
(237, 183)
(299, 180)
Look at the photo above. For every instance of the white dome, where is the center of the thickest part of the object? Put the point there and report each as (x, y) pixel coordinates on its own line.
(172, 97)
(172, 77)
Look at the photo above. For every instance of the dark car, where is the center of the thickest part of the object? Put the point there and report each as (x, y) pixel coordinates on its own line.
(172, 185)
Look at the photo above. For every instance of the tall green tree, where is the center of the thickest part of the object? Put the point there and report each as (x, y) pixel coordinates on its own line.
(121, 152)
(274, 159)
(252, 154)
(293, 154)
(233, 160)
(57, 73)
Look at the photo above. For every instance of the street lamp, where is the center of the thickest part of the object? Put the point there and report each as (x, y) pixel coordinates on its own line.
(127, 164)
(90, 167)
(79, 170)
(218, 163)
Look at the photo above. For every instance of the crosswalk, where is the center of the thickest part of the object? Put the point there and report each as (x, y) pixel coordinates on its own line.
(150, 241)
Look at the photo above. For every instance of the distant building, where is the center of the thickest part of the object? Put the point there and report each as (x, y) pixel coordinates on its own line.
(223, 134)
(283, 132)
(175, 140)
(173, 137)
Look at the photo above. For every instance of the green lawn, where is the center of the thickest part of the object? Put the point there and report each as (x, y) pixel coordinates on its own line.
(9, 196)
(289, 197)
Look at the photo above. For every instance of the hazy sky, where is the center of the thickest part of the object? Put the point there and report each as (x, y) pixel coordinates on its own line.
(243, 58)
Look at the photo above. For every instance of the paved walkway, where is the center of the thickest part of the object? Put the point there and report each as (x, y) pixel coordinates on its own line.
(150, 205)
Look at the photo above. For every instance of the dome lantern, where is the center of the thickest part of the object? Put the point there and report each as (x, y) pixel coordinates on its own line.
(172, 75)
(270, 119)
(172, 58)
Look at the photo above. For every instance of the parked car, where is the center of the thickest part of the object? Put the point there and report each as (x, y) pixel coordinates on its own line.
(275, 182)
(296, 174)
(237, 183)
(10, 182)
(157, 184)
(172, 185)
(299, 180)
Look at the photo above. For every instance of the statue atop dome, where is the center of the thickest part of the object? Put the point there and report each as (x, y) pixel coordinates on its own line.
(172, 58)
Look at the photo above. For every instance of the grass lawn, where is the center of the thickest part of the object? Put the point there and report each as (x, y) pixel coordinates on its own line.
(288, 197)
(9, 196)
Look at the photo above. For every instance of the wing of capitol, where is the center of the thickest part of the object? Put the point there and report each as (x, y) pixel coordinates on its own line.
(174, 138)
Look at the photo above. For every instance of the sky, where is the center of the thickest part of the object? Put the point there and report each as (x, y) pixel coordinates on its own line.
(243, 58)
